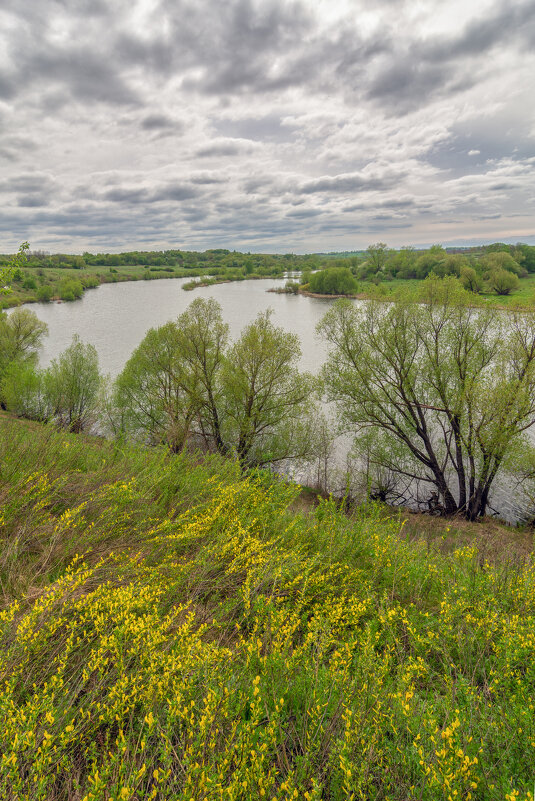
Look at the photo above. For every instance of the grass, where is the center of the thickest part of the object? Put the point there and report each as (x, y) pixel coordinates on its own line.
(54, 277)
(172, 629)
(523, 297)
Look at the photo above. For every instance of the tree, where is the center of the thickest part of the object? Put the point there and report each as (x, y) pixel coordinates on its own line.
(15, 263)
(525, 255)
(201, 340)
(267, 402)
(333, 281)
(150, 395)
(183, 383)
(471, 280)
(501, 260)
(169, 389)
(74, 383)
(27, 392)
(447, 390)
(377, 255)
(503, 282)
(21, 333)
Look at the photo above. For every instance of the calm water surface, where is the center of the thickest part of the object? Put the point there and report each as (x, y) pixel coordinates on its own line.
(115, 317)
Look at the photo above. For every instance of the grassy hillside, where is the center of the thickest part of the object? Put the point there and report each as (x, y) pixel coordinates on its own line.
(170, 630)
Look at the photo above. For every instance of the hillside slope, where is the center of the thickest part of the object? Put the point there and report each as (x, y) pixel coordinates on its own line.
(171, 631)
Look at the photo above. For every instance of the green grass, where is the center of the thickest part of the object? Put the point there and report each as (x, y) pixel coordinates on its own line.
(54, 277)
(523, 297)
(171, 630)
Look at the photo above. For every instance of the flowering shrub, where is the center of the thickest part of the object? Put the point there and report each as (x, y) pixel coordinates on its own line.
(171, 631)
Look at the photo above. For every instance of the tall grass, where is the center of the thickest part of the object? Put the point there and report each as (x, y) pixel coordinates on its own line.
(171, 631)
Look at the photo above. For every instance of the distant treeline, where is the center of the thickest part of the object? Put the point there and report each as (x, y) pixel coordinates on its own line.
(218, 258)
(494, 268)
(377, 259)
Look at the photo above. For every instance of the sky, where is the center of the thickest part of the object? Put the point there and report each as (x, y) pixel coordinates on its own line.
(265, 125)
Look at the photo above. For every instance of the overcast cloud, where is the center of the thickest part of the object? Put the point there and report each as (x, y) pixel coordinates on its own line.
(265, 125)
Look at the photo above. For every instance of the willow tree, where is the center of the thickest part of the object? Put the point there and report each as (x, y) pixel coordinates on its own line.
(21, 335)
(268, 411)
(444, 392)
(153, 398)
(184, 383)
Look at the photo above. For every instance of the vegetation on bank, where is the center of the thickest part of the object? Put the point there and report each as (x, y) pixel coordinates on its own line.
(499, 273)
(42, 277)
(440, 393)
(170, 630)
(436, 395)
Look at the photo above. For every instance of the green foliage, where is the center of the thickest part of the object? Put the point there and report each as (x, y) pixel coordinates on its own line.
(14, 264)
(333, 281)
(21, 333)
(503, 282)
(447, 390)
(74, 384)
(183, 383)
(155, 397)
(27, 392)
(45, 293)
(499, 260)
(292, 287)
(471, 280)
(267, 415)
(211, 644)
(525, 255)
(377, 256)
(70, 289)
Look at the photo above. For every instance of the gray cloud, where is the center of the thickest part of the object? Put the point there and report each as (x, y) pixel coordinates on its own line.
(29, 182)
(348, 183)
(223, 148)
(266, 128)
(32, 201)
(264, 123)
(157, 122)
(508, 21)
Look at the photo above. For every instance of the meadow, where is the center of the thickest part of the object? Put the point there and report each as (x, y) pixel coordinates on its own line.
(173, 628)
(521, 298)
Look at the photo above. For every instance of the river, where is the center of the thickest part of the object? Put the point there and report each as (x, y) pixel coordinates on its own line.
(115, 317)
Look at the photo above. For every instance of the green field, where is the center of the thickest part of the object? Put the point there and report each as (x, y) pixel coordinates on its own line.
(174, 629)
(523, 297)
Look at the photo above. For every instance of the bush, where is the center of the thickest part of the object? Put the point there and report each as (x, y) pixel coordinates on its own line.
(291, 287)
(503, 282)
(333, 281)
(501, 261)
(70, 289)
(29, 283)
(90, 281)
(44, 293)
(26, 392)
(471, 280)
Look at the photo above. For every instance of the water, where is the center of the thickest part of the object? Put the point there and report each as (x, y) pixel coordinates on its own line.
(115, 317)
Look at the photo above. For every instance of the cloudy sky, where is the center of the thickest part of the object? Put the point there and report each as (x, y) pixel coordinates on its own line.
(265, 125)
